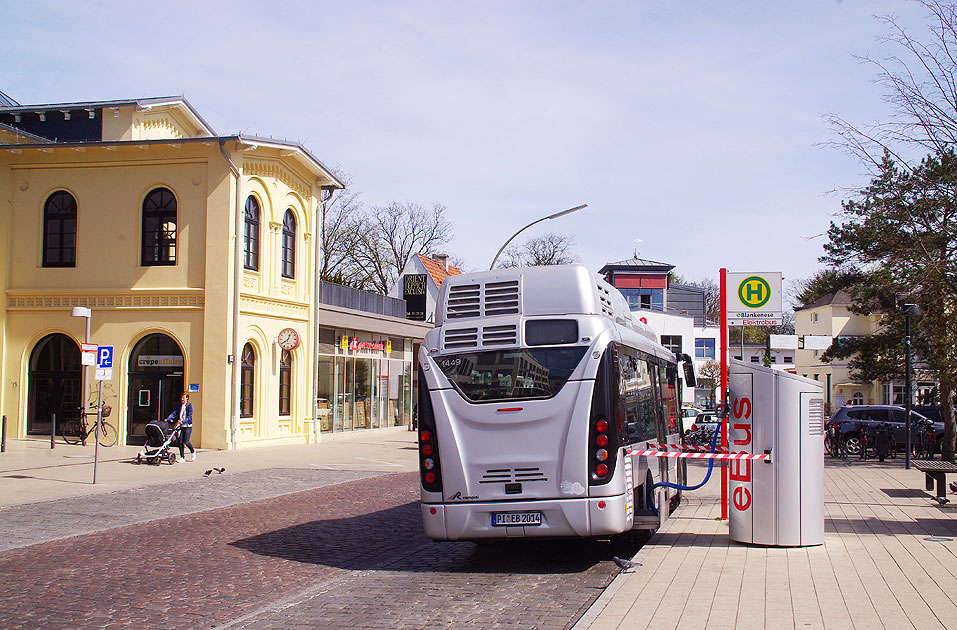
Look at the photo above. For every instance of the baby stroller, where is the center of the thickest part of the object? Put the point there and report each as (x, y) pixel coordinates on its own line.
(159, 439)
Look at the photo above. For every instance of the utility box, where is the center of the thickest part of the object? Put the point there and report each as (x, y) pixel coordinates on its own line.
(781, 502)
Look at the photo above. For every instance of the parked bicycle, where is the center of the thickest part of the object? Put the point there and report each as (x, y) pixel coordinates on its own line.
(77, 430)
(878, 442)
(833, 443)
(923, 442)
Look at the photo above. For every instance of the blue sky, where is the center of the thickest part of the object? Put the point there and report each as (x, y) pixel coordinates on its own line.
(693, 126)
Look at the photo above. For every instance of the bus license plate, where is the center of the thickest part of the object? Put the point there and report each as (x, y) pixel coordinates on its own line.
(500, 519)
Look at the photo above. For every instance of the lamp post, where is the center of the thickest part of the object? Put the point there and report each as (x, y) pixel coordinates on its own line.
(551, 216)
(910, 310)
(82, 311)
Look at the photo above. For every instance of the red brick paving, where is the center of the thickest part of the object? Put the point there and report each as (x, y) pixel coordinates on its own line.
(193, 571)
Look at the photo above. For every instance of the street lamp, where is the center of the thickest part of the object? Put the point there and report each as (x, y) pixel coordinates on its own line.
(910, 310)
(551, 216)
(82, 311)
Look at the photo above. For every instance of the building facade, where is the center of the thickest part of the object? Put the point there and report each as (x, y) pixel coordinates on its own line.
(830, 317)
(194, 251)
(367, 351)
(419, 284)
(677, 314)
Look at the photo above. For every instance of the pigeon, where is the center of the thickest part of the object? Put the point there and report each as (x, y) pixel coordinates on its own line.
(953, 487)
(626, 565)
(210, 471)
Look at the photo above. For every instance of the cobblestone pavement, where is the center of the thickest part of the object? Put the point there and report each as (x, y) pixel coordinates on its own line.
(32, 523)
(349, 555)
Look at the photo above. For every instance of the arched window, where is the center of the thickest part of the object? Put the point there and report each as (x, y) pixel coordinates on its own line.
(54, 385)
(248, 380)
(59, 230)
(251, 234)
(159, 228)
(289, 245)
(285, 382)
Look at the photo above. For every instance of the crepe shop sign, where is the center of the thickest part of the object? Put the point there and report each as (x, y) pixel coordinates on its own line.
(356, 345)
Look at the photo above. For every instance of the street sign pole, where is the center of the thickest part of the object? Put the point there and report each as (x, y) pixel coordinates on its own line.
(724, 387)
(96, 431)
(104, 372)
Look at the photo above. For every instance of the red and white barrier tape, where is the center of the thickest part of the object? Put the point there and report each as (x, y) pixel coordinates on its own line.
(687, 447)
(762, 457)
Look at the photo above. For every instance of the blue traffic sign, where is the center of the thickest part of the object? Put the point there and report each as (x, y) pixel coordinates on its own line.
(104, 357)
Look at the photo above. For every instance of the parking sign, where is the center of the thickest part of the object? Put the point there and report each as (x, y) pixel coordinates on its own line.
(104, 357)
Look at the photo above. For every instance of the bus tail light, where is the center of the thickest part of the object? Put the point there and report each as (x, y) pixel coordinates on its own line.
(604, 432)
(429, 470)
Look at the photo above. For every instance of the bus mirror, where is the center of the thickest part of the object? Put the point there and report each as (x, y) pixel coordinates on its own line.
(690, 380)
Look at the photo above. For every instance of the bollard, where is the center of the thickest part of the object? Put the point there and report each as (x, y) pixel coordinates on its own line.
(3, 435)
(52, 429)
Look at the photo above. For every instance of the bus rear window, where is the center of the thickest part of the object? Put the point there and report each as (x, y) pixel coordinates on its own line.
(550, 332)
(511, 374)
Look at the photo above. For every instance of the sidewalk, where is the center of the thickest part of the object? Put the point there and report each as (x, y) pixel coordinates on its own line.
(888, 561)
(47, 494)
(31, 471)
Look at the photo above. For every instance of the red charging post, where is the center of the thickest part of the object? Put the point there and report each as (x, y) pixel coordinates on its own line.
(724, 386)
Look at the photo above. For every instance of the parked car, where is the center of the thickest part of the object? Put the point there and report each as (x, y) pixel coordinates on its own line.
(688, 414)
(852, 420)
(935, 413)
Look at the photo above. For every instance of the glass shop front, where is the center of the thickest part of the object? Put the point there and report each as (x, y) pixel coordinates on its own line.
(365, 380)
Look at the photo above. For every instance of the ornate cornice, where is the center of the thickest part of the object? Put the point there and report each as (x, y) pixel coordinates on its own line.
(45, 301)
(276, 308)
(161, 123)
(269, 168)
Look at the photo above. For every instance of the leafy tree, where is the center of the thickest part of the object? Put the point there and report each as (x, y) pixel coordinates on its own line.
(899, 238)
(548, 249)
(824, 282)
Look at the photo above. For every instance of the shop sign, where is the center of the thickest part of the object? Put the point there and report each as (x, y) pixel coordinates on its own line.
(159, 360)
(356, 345)
(414, 289)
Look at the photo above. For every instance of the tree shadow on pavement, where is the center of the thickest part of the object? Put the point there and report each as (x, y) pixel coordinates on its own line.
(393, 540)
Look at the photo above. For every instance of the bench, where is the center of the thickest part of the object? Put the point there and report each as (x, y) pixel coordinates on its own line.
(935, 471)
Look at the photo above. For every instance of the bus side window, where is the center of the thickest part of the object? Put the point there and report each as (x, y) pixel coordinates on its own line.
(669, 398)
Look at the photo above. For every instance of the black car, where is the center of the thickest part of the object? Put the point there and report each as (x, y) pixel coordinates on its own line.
(935, 413)
(852, 420)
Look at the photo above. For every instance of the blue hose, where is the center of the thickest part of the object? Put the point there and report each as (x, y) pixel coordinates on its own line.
(651, 490)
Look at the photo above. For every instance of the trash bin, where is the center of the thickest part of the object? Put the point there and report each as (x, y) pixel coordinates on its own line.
(781, 502)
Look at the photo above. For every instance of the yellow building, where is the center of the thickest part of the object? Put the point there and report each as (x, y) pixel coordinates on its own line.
(195, 253)
(830, 318)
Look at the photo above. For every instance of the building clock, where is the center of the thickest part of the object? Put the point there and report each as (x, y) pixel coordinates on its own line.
(288, 339)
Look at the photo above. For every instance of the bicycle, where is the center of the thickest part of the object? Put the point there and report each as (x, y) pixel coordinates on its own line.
(833, 444)
(878, 442)
(76, 430)
(924, 443)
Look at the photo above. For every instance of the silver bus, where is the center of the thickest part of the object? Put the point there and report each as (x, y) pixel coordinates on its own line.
(534, 388)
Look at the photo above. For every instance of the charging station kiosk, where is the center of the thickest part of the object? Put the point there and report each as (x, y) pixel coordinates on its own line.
(778, 502)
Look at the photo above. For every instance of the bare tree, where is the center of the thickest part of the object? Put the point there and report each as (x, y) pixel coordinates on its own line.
(710, 376)
(921, 86)
(548, 249)
(393, 234)
(342, 223)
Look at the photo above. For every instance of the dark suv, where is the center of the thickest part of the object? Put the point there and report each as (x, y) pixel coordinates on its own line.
(852, 420)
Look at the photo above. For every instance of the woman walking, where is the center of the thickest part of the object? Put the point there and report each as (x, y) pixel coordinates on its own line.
(184, 416)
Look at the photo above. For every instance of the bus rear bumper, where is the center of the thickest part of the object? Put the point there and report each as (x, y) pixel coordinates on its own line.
(589, 517)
